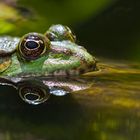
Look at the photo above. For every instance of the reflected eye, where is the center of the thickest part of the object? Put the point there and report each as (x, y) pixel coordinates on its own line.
(33, 45)
(33, 92)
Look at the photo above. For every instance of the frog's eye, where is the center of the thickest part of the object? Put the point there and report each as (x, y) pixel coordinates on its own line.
(70, 34)
(33, 45)
(51, 36)
(60, 32)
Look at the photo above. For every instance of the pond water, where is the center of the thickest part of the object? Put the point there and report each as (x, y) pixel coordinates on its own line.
(109, 109)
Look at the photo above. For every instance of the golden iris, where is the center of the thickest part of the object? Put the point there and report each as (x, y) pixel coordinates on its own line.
(33, 45)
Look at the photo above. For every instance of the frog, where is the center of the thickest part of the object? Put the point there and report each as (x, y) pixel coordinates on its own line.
(52, 54)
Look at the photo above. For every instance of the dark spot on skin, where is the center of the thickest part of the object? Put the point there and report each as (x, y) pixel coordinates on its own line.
(58, 71)
(67, 73)
(81, 71)
(90, 66)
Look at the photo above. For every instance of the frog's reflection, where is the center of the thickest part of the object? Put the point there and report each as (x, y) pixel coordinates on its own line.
(37, 90)
(89, 114)
(44, 121)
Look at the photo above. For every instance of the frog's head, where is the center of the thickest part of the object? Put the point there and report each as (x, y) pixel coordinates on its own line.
(32, 46)
(31, 53)
(60, 32)
(33, 50)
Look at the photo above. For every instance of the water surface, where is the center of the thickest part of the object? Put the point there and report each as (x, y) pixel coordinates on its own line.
(110, 109)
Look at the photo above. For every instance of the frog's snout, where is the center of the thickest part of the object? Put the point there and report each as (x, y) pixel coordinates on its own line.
(33, 94)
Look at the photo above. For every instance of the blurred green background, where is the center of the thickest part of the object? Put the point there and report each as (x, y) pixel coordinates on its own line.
(107, 28)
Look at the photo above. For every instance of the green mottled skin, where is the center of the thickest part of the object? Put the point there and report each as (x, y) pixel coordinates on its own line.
(64, 58)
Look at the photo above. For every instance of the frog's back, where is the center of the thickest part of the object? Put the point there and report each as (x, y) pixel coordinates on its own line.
(8, 45)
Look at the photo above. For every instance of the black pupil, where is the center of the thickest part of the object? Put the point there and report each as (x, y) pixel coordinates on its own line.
(31, 45)
(51, 36)
(31, 97)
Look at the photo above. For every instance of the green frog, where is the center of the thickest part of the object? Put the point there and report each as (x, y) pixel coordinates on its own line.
(54, 53)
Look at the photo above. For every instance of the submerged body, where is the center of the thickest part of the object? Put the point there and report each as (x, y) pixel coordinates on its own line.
(35, 55)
